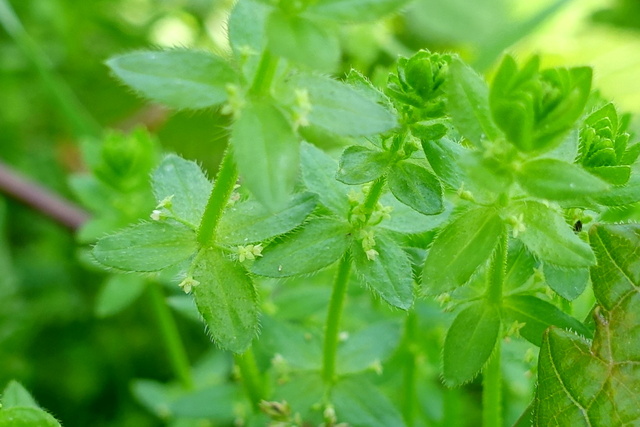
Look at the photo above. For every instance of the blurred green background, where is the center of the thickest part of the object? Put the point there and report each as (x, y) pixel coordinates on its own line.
(79, 366)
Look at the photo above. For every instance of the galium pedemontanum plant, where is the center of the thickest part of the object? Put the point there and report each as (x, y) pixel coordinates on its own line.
(478, 188)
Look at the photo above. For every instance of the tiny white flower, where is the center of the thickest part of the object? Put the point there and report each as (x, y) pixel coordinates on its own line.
(156, 215)
(371, 254)
(188, 284)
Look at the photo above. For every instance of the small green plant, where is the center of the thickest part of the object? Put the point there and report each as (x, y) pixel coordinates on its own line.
(322, 273)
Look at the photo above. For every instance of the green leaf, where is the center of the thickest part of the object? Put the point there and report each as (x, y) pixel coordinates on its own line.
(249, 222)
(359, 165)
(468, 103)
(416, 187)
(227, 300)
(469, 342)
(538, 315)
(406, 220)
(316, 245)
(363, 409)
(557, 180)
(520, 265)
(117, 293)
(621, 195)
(549, 237)
(616, 175)
(184, 182)
(266, 150)
(177, 78)
(444, 157)
(460, 249)
(247, 34)
(596, 383)
(319, 175)
(368, 348)
(341, 109)
(302, 41)
(388, 274)
(26, 417)
(354, 10)
(299, 348)
(15, 395)
(147, 246)
(569, 283)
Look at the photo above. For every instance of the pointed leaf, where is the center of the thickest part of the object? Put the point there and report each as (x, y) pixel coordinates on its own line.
(520, 265)
(185, 183)
(557, 180)
(177, 78)
(354, 10)
(247, 34)
(117, 293)
(358, 409)
(359, 165)
(302, 41)
(227, 300)
(266, 150)
(341, 109)
(15, 395)
(249, 222)
(549, 237)
(145, 247)
(389, 273)
(538, 315)
(460, 249)
(416, 187)
(469, 342)
(569, 283)
(26, 417)
(316, 245)
(319, 175)
(444, 157)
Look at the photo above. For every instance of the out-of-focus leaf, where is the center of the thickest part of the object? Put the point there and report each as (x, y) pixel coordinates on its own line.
(358, 409)
(117, 293)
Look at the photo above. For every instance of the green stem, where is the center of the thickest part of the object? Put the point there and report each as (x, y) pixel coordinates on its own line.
(79, 119)
(222, 188)
(373, 196)
(265, 74)
(492, 391)
(177, 353)
(251, 379)
(497, 272)
(409, 377)
(334, 315)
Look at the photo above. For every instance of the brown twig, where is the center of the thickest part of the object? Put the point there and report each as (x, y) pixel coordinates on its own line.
(34, 195)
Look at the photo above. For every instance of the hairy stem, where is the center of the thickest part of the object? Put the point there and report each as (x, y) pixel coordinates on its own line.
(373, 196)
(79, 119)
(175, 347)
(250, 374)
(222, 188)
(334, 315)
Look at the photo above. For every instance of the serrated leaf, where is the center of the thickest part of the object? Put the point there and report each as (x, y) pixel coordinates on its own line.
(416, 187)
(319, 176)
(460, 249)
(359, 165)
(359, 409)
(341, 109)
(227, 300)
(368, 347)
(147, 246)
(616, 175)
(267, 153)
(468, 103)
(569, 283)
(249, 222)
(469, 342)
(597, 383)
(117, 293)
(15, 395)
(388, 274)
(26, 417)
(302, 41)
(185, 183)
(316, 245)
(538, 315)
(177, 78)
(549, 237)
(354, 10)
(557, 180)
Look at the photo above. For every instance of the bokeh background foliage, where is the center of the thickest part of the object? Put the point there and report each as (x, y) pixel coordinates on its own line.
(79, 361)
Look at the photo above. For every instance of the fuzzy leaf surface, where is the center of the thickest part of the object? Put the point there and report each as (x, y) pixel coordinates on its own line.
(470, 341)
(597, 383)
(177, 78)
(316, 245)
(460, 249)
(319, 176)
(147, 246)
(389, 274)
(360, 164)
(26, 417)
(550, 238)
(185, 183)
(267, 152)
(226, 299)
(416, 187)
